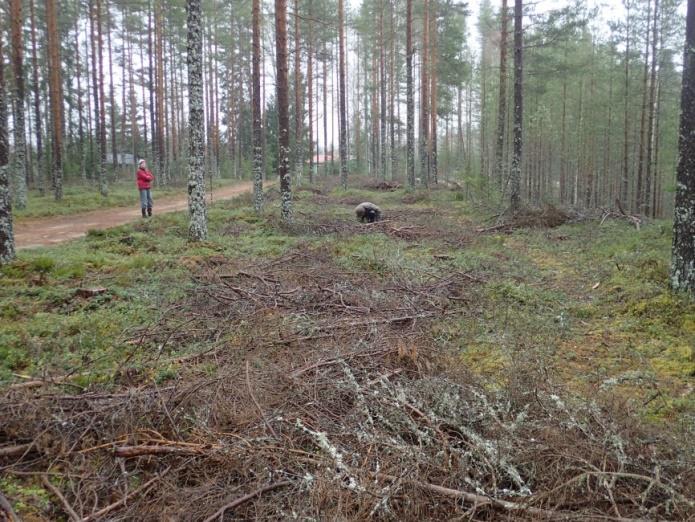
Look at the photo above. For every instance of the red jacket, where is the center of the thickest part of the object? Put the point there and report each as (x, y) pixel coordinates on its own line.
(144, 178)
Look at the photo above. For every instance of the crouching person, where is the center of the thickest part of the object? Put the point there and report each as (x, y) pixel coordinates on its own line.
(144, 180)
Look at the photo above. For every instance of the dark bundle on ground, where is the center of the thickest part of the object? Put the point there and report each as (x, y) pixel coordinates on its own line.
(382, 185)
(408, 225)
(320, 392)
(548, 216)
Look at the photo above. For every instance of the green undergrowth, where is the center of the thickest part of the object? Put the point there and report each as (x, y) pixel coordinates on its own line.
(584, 304)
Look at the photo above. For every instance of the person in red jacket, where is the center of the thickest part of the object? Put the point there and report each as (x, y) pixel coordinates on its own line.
(144, 180)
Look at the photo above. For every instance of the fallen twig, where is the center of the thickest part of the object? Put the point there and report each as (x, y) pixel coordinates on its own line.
(7, 508)
(258, 406)
(245, 498)
(66, 505)
(480, 500)
(128, 452)
(14, 451)
(112, 507)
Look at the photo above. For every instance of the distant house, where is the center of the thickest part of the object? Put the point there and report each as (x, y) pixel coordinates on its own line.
(320, 159)
(122, 158)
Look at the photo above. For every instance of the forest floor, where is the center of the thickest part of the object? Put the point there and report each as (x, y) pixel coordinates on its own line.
(437, 365)
(46, 231)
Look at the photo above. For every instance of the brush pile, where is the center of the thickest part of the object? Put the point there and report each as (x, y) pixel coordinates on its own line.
(302, 389)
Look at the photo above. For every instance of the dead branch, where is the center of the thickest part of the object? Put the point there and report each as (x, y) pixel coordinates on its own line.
(112, 507)
(129, 452)
(7, 508)
(247, 497)
(15, 451)
(66, 505)
(258, 406)
(480, 500)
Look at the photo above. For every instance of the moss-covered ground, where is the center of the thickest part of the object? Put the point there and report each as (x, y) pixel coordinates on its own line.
(586, 304)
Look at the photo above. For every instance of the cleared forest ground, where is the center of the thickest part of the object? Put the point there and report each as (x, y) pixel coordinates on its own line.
(428, 367)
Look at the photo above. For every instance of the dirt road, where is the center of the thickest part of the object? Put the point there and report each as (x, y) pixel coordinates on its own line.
(48, 231)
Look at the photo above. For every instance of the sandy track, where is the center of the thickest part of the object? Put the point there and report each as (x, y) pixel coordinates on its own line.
(39, 232)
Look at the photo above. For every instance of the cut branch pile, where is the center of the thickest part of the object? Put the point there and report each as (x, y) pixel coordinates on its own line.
(319, 392)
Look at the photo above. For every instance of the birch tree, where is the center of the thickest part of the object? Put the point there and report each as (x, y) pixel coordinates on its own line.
(198, 227)
(283, 110)
(7, 252)
(257, 125)
(683, 252)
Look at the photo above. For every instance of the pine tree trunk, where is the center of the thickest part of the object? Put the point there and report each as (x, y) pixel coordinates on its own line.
(19, 167)
(256, 106)
(683, 253)
(424, 96)
(643, 119)
(56, 98)
(410, 118)
(198, 227)
(625, 179)
(310, 80)
(325, 110)
(650, 123)
(298, 99)
(96, 89)
(433, 94)
(382, 94)
(38, 128)
(103, 184)
(502, 100)
(159, 92)
(342, 95)
(80, 109)
(7, 250)
(112, 98)
(515, 179)
(150, 82)
(283, 110)
(392, 91)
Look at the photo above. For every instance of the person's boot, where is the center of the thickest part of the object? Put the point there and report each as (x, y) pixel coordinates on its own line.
(149, 211)
(144, 212)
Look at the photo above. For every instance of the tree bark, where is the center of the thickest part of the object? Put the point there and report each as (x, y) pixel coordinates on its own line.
(432, 153)
(298, 99)
(502, 100)
(283, 110)
(56, 98)
(197, 228)
(424, 96)
(309, 82)
(652, 110)
(515, 179)
(256, 106)
(38, 127)
(625, 179)
(382, 94)
(109, 28)
(410, 118)
(19, 162)
(683, 252)
(7, 250)
(342, 95)
(643, 119)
